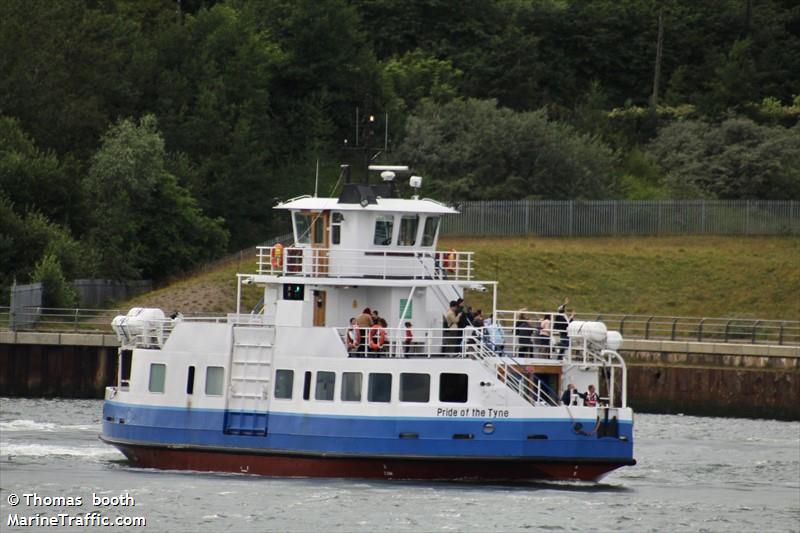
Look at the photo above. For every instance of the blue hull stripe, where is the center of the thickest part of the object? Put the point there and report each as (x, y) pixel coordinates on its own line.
(307, 433)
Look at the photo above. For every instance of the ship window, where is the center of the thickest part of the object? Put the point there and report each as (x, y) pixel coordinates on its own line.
(408, 230)
(415, 387)
(307, 386)
(325, 382)
(214, 375)
(125, 364)
(453, 388)
(294, 291)
(190, 380)
(429, 233)
(351, 386)
(302, 228)
(336, 228)
(384, 225)
(379, 388)
(284, 382)
(158, 374)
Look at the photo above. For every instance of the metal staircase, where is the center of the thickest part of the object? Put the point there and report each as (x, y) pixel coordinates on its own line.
(247, 405)
(506, 369)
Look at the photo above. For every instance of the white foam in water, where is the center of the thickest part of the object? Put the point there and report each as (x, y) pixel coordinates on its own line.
(32, 425)
(8, 449)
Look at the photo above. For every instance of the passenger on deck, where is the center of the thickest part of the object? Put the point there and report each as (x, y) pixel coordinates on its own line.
(524, 332)
(590, 397)
(466, 317)
(408, 339)
(451, 332)
(543, 338)
(353, 337)
(477, 319)
(375, 316)
(364, 322)
(561, 323)
(571, 395)
(494, 334)
(377, 338)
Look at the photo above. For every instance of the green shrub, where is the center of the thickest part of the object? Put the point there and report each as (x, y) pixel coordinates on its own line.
(57, 290)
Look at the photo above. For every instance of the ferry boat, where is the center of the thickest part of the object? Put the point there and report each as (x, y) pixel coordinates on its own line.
(291, 388)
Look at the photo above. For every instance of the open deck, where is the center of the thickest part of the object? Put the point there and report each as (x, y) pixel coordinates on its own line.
(337, 262)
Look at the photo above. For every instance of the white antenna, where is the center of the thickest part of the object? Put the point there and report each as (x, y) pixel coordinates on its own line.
(316, 180)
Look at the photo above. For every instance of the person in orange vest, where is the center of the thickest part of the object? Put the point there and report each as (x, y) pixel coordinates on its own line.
(377, 337)
(590, 397)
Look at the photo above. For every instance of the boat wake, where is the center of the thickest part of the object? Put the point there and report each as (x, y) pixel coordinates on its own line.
(32, 425)
(9, 451)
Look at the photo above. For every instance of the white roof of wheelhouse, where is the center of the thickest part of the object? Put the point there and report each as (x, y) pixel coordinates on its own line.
(383, 205)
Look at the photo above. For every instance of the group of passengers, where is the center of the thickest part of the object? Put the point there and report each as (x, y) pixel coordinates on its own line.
(366, 335)
(547, 337)
(457, 318)
(571, 396)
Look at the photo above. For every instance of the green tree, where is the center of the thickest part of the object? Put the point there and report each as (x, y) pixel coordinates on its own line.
(32, 179)
(57, 292)
(735, 159)
(145, 223)
(28, 236)
(473, 149)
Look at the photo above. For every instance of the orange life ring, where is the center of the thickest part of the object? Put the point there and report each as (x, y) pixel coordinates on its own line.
(449, 262)
(276, 256)
(376, 342)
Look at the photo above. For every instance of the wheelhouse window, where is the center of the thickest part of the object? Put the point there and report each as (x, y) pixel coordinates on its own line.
(351, 386)
(325, 383)
(336, 227)
(408, 230)
(429, 231)
(415, 387)
(158, 374)
(284, 382)
(379, 388)
(302, 228)
(384, 226)
(214, 380)
(453, 388)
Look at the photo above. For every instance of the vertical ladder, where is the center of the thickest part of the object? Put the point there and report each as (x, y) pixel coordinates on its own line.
(250, 375)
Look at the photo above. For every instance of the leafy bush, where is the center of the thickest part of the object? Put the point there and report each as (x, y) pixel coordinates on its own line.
(57, 291)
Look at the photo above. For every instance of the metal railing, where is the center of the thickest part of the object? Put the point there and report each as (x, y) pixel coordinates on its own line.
(562, 218)
(363, 263)
(653, 327)
(701, 329)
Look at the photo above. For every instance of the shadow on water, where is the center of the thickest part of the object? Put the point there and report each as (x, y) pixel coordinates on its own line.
(383, 484)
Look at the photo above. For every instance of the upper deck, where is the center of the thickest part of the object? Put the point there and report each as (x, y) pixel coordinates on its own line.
(364, 235)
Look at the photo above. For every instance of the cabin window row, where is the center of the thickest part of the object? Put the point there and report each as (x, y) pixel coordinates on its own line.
(214, 385)
(414, 387)
(311, 228)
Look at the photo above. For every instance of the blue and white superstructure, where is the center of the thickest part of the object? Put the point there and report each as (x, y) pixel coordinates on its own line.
(284, 390)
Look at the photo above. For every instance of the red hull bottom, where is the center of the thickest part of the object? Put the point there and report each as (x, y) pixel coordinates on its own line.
(364, 467)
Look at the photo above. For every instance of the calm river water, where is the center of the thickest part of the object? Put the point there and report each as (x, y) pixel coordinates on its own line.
(694, 474)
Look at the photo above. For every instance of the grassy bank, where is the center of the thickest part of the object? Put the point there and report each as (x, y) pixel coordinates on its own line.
(687, 276)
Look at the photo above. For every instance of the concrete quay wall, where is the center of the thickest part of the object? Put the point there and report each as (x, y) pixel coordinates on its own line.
(713, 379)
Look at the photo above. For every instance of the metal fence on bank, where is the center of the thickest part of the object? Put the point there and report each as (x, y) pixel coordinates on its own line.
(624, 217)
(726, 330)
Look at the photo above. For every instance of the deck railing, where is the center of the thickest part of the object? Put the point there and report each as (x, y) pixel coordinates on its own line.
(337, 262)
(675, 328)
